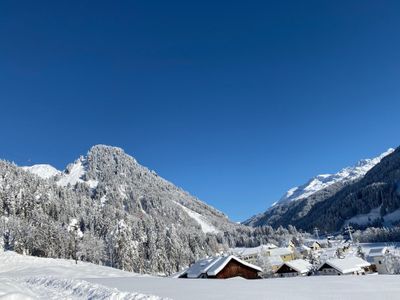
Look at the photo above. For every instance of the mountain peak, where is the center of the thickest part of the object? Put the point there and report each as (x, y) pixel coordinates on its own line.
(101, 150)
(106, 148)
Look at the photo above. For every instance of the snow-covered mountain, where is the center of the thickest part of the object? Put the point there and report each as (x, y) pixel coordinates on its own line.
(323, 181)
(119, 212)
(295, 206)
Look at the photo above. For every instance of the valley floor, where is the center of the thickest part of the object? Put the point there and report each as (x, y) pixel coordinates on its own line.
(318, 287)
(25, 277)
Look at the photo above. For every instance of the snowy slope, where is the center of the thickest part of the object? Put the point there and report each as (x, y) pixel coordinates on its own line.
(322, 181)
(42, 170)
(75, 173)
(27, 277)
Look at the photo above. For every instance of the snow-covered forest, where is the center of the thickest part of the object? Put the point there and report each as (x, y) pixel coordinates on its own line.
(108, 209)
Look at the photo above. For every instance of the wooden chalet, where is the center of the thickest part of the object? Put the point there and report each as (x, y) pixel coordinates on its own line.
(221, 268)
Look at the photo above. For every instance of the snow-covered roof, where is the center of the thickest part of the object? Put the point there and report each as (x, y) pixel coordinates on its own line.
(212, 266)
(300, 265)
(275, 260)
(253, 250)
(220, 264)
(200, 267)
(311, 243)
(348, 264)
(303, 248)
(373, 252)
(280, 251)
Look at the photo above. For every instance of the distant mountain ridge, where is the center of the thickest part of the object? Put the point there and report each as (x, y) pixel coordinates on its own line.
(322, 181)
(298, 202)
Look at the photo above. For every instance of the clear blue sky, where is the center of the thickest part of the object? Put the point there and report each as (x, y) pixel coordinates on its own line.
(235, 101)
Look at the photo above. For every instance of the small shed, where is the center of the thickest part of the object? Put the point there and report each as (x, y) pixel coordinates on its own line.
(376, 257)
(345, 266)
(297, 267)
(221, 268)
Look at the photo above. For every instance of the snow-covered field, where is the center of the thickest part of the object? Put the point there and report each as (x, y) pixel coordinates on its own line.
(318, 287)
(25, 277)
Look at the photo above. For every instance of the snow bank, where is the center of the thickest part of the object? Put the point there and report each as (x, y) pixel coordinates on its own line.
(54, 288)
(16, 265)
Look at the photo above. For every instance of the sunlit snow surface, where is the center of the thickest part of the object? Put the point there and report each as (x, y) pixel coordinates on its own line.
(27, 277)
(301, 288)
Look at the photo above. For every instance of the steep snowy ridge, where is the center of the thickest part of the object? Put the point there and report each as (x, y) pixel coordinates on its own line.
(322, 181)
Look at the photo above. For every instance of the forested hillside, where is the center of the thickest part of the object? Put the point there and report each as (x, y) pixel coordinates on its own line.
(107, 208)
